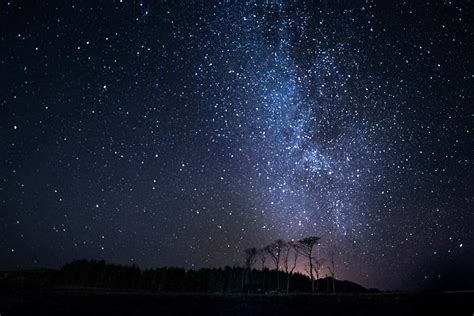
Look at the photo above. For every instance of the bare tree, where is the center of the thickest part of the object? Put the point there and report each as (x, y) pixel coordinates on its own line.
(332, 271)
(250, 258)
(289, 262)
(275, 252)
(262, 257)
(317, 266)
(305, 248)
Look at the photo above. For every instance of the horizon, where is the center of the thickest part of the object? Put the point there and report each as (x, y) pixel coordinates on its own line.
(254, 268)
(195, 269)
(181, 134)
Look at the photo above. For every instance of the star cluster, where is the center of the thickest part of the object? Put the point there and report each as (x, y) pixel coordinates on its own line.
(179, 133)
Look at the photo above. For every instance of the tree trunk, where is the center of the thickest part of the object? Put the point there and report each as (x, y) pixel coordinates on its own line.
(311, 270)
(287, 283)
(247, 279)
(278, 279)
(316, 281)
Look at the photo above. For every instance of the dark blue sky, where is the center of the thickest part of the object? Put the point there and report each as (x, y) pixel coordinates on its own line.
(169, 133)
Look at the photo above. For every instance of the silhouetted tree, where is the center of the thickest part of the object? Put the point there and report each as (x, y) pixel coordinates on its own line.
(275, 252)
(305, 248)
(317, 265)
(262, 257)
(332, 271)
(289, 262)
(250, 258)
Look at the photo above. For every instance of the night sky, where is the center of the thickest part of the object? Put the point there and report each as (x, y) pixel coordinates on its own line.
(179, 134)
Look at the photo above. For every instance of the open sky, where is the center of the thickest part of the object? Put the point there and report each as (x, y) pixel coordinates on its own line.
(181, 133)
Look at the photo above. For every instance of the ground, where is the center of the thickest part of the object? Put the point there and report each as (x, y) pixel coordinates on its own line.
(89, 302)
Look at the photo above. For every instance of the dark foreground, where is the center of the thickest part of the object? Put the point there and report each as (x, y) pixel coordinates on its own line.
(93, 303)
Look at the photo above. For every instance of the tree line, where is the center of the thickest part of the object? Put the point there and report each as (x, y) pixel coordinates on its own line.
(264, 270)
(98, 274)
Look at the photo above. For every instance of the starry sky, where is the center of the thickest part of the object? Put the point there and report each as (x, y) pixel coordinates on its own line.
(181, 133)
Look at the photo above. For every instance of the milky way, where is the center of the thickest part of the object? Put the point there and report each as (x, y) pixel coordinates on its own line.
(182, 133)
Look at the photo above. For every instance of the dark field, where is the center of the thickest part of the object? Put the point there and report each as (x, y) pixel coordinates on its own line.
(102, 303)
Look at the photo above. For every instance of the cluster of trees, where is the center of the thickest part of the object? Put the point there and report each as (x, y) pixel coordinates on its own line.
(265, 269)
(284, 257)
(98, 274)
